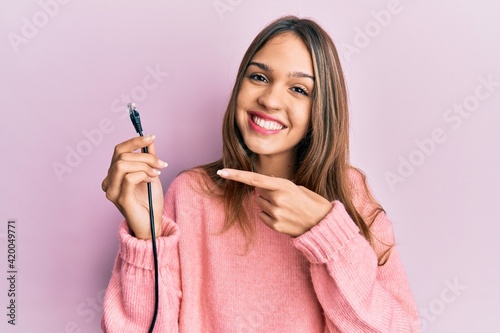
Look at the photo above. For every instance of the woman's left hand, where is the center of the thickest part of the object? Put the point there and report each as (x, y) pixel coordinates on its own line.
(284, 206)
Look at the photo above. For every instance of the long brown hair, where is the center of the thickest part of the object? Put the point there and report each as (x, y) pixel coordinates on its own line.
(322, 156)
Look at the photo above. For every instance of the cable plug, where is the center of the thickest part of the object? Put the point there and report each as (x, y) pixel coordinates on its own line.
(135, 117)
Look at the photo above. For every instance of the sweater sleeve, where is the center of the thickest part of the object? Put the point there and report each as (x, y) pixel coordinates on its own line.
(358, 295)
(129, 299)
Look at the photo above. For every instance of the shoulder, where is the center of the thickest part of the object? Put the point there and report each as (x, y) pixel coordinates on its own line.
(192, 184)
(191, 180)
(191, 198)
(188, 177)
(355, 176)
(361, 194)
(370, 210)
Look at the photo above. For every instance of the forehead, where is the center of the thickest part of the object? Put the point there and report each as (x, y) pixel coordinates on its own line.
(285, 51)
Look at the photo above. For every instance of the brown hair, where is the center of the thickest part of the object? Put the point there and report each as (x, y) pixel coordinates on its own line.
(323, 154)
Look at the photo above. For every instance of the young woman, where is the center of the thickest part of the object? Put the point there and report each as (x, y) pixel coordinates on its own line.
(279, 235)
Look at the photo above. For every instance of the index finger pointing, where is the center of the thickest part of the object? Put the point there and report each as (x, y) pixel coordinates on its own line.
(252, 179)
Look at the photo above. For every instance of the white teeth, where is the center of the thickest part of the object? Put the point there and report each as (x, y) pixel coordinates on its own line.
(267, 124)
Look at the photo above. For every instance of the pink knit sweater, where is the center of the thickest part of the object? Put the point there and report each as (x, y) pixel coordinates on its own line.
(326, 280)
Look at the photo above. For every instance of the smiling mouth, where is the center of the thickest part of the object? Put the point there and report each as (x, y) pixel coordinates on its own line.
(267, 124)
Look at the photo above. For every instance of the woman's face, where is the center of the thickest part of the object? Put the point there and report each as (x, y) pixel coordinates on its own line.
(274, 102)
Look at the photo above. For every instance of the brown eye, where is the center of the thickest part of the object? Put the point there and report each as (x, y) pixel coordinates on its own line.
(300, 90)
(257, 77)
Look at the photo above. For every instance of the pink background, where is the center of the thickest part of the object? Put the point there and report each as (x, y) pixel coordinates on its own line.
(64, 69)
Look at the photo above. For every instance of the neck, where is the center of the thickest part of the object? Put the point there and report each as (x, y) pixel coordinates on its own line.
(275, 166)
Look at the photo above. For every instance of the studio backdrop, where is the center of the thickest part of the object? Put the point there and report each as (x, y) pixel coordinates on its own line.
(424, 95)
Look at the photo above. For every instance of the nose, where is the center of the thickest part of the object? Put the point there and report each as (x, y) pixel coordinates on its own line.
(271, 98)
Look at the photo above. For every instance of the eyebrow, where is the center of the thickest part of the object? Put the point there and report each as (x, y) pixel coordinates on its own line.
(266, 68)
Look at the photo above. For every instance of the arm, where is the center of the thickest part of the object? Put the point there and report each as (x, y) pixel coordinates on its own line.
(129, 299)
(357, 295)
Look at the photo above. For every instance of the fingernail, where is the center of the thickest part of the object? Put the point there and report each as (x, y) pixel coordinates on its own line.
(149, 137)
(222, 173)
(158, 172)
(163, 164)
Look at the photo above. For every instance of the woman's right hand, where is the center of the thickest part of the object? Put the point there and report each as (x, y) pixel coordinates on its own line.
(126, 184)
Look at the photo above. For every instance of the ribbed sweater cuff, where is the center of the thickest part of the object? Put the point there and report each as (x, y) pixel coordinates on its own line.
(323, 241)
(139, 253)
